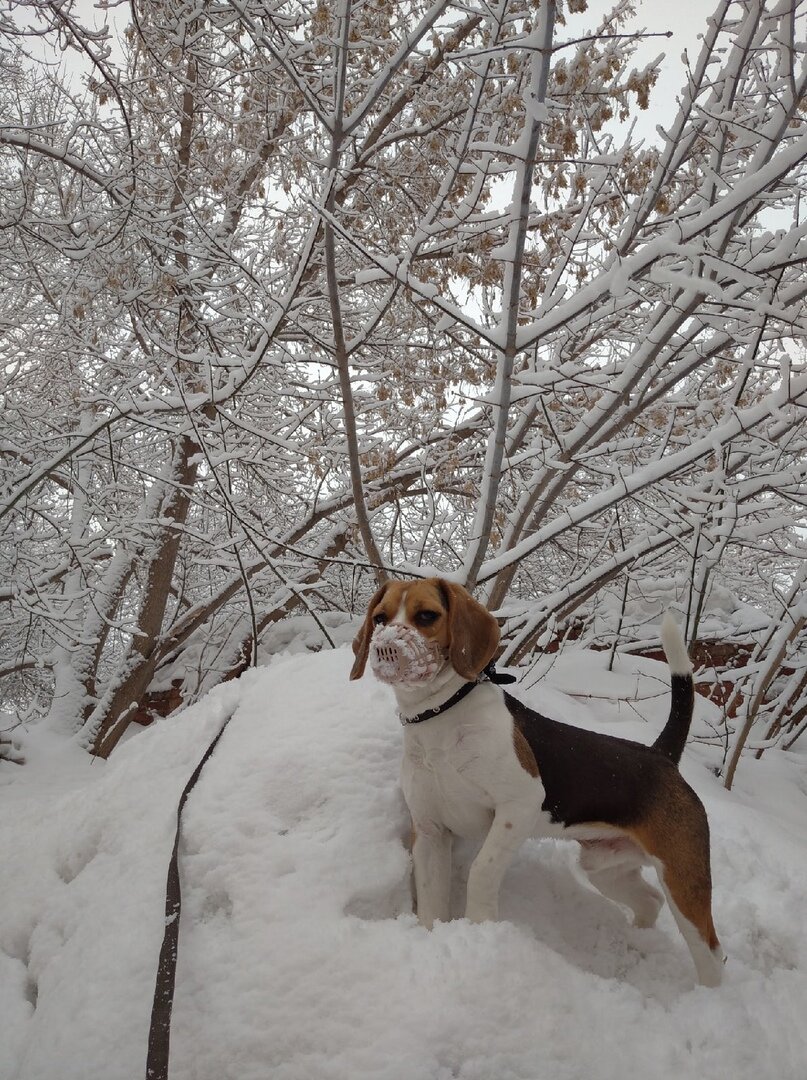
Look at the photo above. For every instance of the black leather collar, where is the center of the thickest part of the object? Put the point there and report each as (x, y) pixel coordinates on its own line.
(488, 674)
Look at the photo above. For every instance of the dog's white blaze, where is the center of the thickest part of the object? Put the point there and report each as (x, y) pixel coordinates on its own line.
(400, 615)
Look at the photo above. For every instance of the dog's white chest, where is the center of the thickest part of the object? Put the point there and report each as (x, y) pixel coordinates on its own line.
(440, 792)
(455, 768)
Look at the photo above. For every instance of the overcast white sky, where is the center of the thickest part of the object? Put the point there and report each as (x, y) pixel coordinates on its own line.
(686, 19)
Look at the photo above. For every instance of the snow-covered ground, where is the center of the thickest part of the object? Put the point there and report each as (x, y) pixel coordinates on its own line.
(299, 956)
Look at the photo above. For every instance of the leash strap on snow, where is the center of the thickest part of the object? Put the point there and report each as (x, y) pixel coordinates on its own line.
(160, 1030)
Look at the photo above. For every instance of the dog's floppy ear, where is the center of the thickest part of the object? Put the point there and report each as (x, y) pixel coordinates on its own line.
(361, 642)
(474, 631)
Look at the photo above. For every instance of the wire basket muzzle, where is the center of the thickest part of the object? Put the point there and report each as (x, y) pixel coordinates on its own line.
(399, 654)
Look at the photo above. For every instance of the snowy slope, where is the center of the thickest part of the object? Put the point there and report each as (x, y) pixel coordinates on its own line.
(299, 957)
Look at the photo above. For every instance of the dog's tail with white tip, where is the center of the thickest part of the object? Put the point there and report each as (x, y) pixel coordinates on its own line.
(673, 738)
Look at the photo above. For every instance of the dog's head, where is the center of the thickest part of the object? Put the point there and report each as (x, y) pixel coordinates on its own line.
(436, 615)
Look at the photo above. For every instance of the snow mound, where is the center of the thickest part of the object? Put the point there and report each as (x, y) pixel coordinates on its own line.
(299, 955)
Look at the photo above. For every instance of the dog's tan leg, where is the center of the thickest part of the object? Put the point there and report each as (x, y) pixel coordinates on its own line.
(675, 834)
(695, 923)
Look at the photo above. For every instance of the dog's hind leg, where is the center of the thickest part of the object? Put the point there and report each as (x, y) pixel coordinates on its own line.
(696, 927)
(676, 837)
(614, 869)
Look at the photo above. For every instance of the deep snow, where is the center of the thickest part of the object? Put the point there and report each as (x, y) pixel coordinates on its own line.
(299, 955)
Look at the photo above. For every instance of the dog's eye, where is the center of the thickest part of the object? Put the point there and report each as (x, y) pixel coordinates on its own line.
(380, 618)
(426, 618)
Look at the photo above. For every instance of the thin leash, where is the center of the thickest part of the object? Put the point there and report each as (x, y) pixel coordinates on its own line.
(160, 1029)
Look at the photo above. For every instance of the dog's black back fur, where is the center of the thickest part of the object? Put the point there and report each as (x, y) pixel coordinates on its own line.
(591, 777)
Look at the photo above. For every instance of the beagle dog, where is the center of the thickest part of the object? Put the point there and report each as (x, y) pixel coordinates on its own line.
(481, 765)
